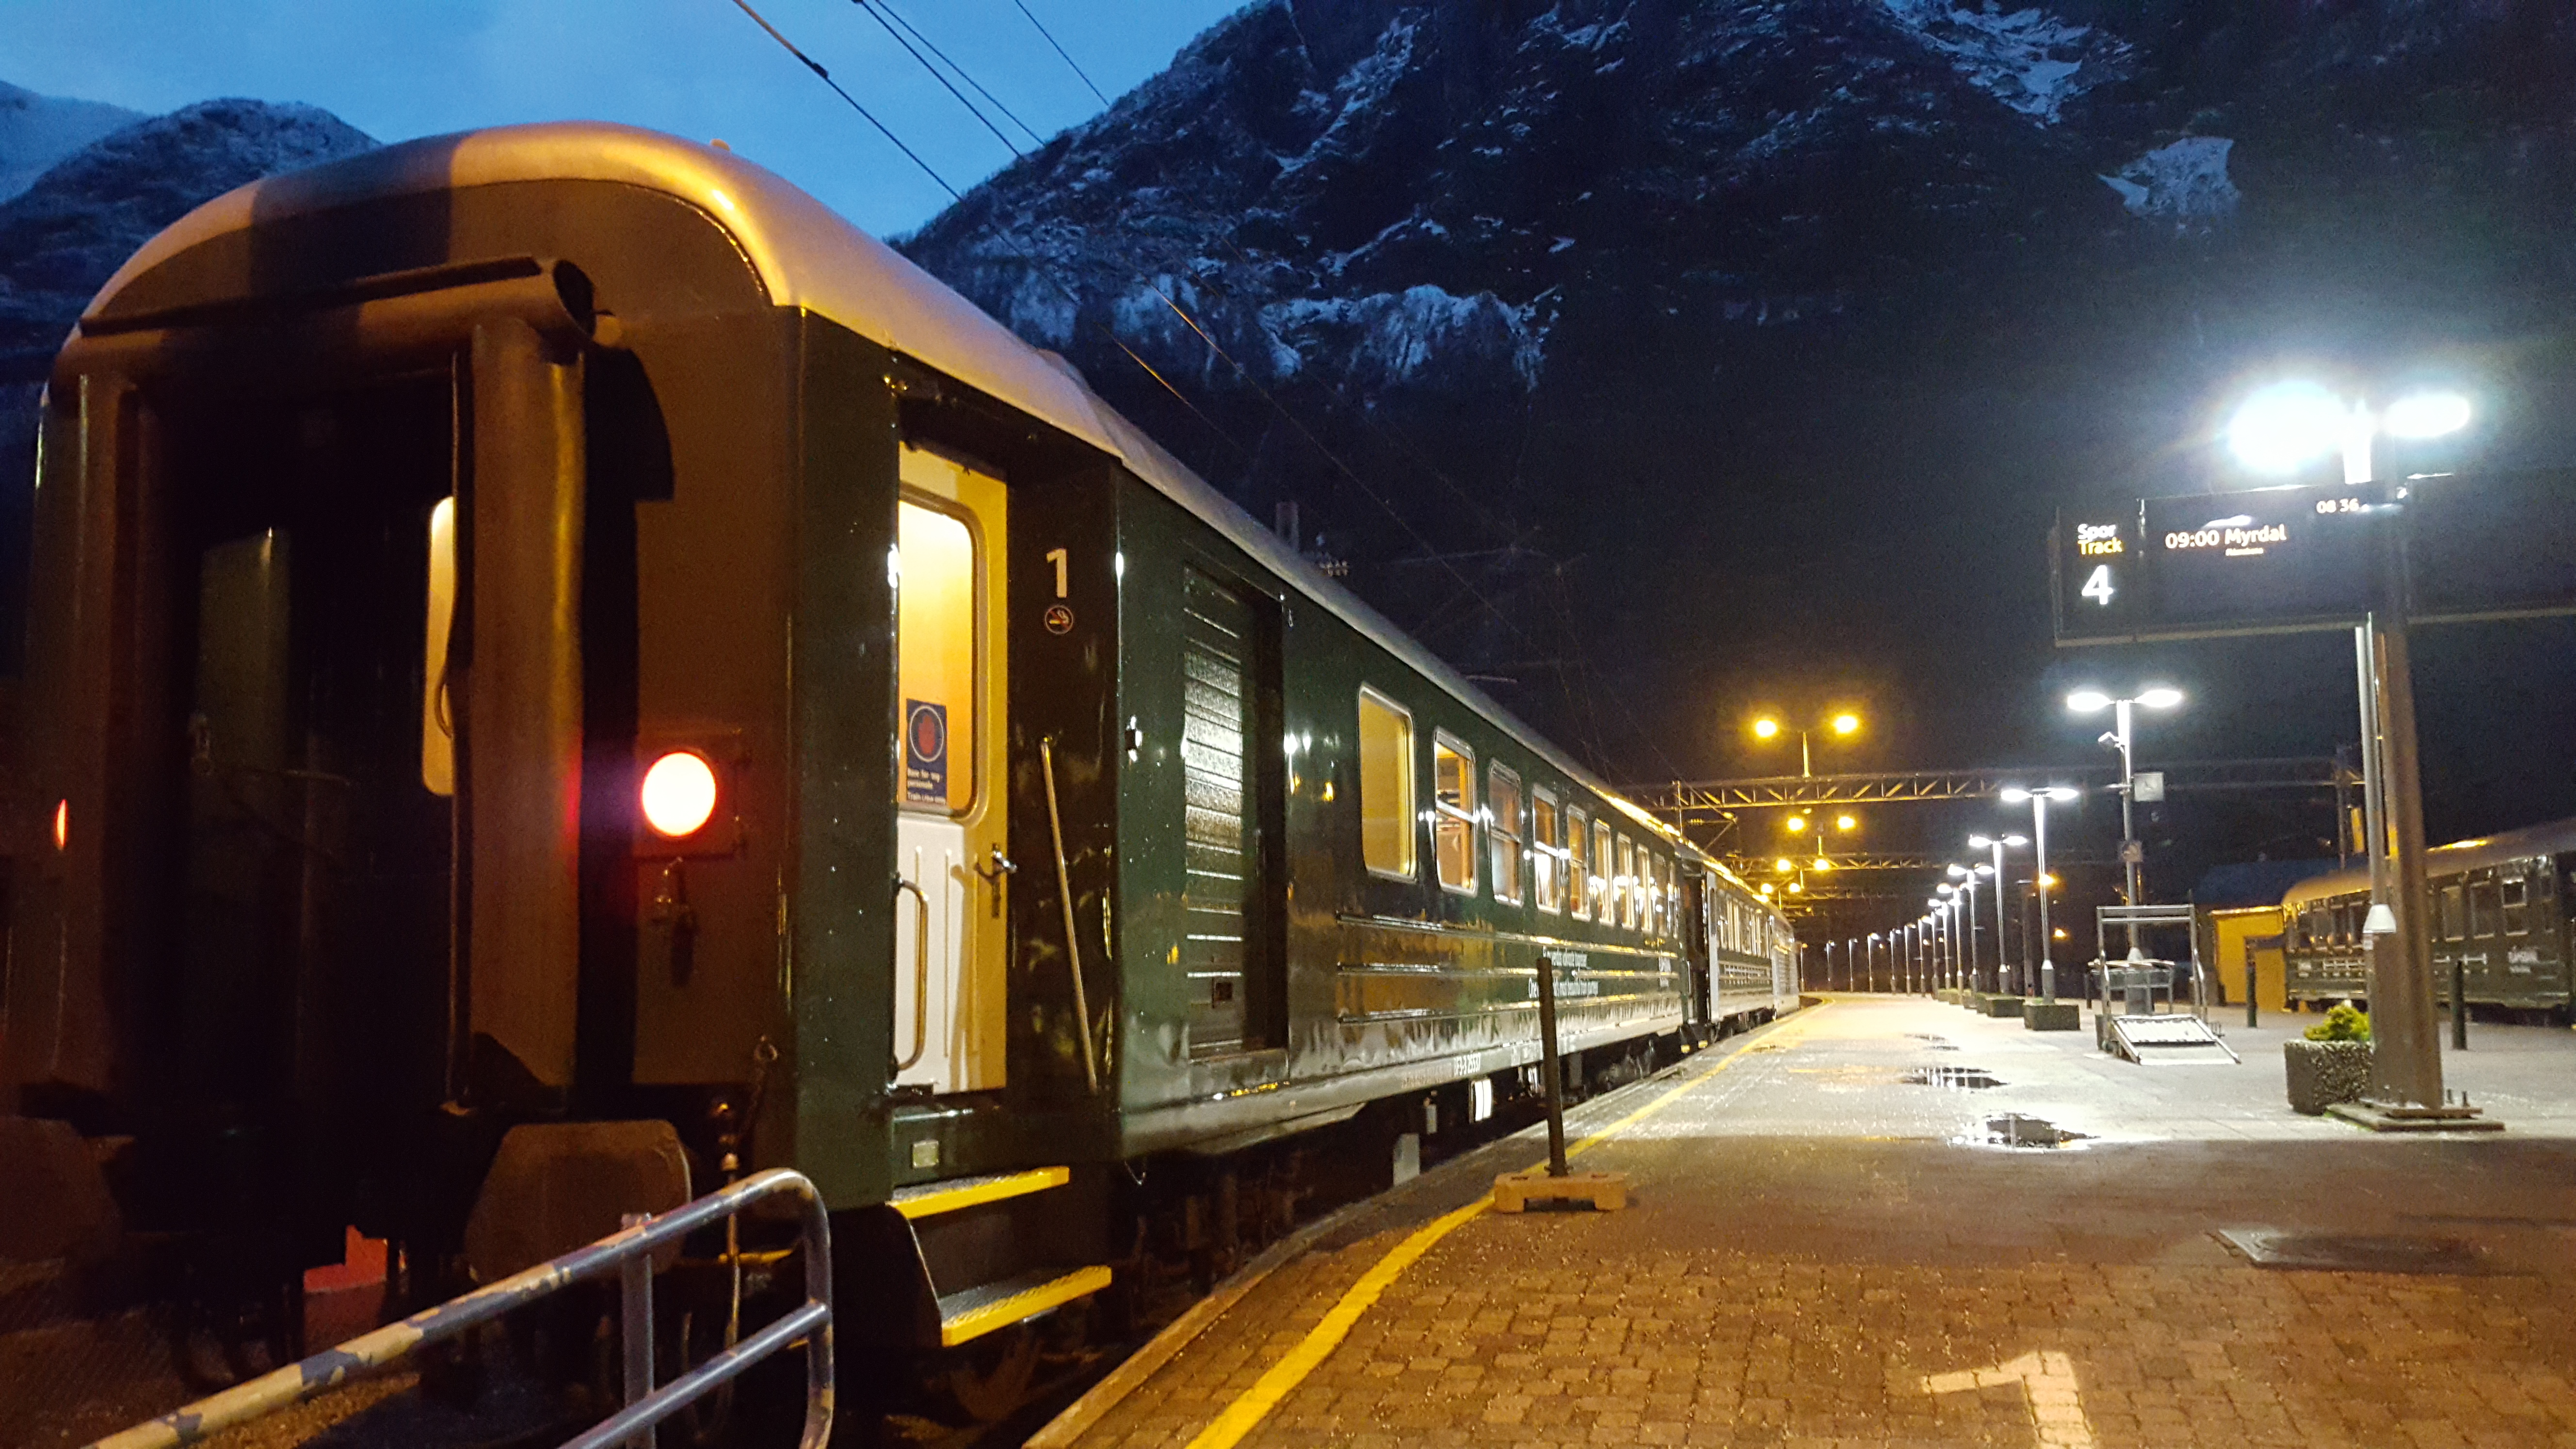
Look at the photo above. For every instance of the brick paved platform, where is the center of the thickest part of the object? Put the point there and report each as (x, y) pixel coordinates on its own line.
(1819, 1252)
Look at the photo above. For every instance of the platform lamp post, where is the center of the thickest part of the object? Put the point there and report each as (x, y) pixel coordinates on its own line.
(2281, 429)
(1938, 904)
(1967, 875)
(1997, 844)
(1869, 970)
(2039, 800)
(1951, 898)
(1842, 725)
(2121, 737)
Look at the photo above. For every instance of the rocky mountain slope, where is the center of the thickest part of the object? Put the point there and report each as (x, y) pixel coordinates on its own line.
(37, 131)
(62, 236)
(1730, 348)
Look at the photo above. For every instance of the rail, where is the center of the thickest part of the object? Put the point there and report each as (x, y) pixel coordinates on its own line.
(627, 1253)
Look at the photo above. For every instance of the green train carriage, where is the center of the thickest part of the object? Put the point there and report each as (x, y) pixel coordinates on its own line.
(560, 671)
(2501, 921)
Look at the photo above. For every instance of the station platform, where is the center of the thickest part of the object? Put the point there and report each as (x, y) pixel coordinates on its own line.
(1831, 1241)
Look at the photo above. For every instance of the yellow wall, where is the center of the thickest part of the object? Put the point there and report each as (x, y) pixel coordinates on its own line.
(2229, 935)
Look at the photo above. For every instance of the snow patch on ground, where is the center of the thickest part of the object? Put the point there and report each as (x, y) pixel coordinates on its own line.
(2028, 59)
(2184, 183)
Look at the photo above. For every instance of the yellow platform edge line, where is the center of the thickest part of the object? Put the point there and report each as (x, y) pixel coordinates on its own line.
(954, 1199)
(1254, 1404)
(1002, 1313)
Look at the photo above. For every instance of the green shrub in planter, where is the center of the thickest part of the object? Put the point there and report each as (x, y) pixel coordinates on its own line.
(2332, 1064)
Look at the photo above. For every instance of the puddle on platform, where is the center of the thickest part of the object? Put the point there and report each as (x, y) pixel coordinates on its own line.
(1954, 1079)
(2012, 1129)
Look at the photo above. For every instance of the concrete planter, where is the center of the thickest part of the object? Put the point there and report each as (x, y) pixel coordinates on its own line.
(2323, 1073)
(2003, 1005)
(2053, 1015)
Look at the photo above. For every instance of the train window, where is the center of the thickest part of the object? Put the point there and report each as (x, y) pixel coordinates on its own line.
(1547, 851)
(437, 703)
(1659, 897)
(2449, 921)
(1387, 830)
(1453, 822)
(936, 609)
(1578, 865)
(1604, 909)
(1503, 822)
(2482, 907)
(1624, 883)
(2517, 903)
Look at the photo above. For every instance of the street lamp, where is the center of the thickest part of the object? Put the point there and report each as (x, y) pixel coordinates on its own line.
(1843, 724)
(1968, 888)
(2039, 799)
(1997, 843)
(2277, 430)
(2120, 738)
(1869, 962)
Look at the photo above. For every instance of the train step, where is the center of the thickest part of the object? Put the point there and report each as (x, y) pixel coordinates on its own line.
(970, 1313)
(930, 1199)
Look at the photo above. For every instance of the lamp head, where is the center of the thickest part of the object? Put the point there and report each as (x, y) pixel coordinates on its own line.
(2160, 696)
(1765, 727)
(2059, 792)
(2013, 794)
(1846, 822)
(1980, 842)
(2426, 415)
(2086, 701)
(2284, 427)
(2016, 841)
(1846, 724)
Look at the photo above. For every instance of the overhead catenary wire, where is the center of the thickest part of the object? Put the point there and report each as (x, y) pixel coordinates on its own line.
(1059, 49)
(870, 117)
(962, 73)
(1022, 257)
(936, 74)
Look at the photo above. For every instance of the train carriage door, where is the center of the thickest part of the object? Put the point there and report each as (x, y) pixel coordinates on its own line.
(951, 842)
(1229, 707)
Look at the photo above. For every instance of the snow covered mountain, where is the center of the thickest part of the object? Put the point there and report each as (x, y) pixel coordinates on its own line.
(62, 236)
(37, 131)
(1601, 336)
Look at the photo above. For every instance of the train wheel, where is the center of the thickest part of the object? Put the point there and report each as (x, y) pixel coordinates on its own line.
(996, 1374)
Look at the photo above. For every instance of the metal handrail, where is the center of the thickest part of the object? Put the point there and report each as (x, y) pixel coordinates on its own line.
(920, 969)
(627, 1252)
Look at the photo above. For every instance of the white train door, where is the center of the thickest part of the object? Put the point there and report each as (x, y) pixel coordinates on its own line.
(951, 837)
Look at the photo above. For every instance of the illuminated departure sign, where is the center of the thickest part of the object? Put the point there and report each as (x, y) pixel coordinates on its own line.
(2277, 559)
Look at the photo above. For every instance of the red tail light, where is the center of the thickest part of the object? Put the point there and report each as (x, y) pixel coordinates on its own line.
(679, 794)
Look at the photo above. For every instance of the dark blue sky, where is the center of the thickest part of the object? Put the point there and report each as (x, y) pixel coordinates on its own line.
(403, 68)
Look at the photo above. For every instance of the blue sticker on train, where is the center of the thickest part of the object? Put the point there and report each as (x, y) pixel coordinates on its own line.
(925, 752)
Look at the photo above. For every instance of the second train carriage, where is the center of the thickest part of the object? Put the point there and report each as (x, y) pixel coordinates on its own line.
(561, 671)
(2501, 914)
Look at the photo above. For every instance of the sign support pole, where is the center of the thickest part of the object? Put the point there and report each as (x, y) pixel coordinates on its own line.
(2406, 1065)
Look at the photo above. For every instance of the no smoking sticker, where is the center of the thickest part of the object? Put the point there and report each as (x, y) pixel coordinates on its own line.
(1059, 619)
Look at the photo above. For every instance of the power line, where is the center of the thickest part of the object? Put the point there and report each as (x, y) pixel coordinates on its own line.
(826, 77)
(1022, 257)
(1059, 49)
(937, 75)
(962, 73)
